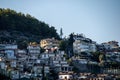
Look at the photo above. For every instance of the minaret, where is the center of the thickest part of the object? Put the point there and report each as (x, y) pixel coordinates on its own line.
(61, 33)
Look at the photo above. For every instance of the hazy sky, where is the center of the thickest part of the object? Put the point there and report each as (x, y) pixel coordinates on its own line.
(97, 19)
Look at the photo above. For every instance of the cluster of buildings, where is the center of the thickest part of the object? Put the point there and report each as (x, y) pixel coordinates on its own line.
(84, 48)
(83, 44)
(31, 63)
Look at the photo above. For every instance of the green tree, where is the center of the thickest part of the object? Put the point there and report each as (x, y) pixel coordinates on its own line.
(70, 45)
(95, 55)
(101, 57)
(26, 25)
(63, 45)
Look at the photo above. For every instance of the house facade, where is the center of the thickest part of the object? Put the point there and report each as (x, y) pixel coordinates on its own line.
(83, 44)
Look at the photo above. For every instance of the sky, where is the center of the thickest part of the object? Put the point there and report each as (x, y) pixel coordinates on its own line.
(98, 20)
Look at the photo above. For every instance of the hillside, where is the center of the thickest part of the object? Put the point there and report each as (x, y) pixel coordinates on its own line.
(20, 27)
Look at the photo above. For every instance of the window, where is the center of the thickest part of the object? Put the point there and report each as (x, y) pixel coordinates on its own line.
(61, 77)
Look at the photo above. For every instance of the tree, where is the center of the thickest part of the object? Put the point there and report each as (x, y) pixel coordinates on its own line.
(63, 45)
(70, 45)
(101, 57)
(95, 56)
(19, 25)
(71, 39)
(102, 60)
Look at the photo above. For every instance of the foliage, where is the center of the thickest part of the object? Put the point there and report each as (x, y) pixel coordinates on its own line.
(101, 57)
(70, 45)
(75, 69)
(42, 50)
(113, 64)
(63, 45)
(67, 45)
(24, 25)
(4, 77)
(71, 40)
(53, 75)
(95, 56)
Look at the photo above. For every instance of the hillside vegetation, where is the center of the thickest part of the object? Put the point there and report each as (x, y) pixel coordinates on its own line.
(21, 27)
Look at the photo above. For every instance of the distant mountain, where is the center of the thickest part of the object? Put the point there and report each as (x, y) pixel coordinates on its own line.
(20, 27)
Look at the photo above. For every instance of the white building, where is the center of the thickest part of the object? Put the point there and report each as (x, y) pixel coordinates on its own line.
(33, 48)
(65, 76)
(33, 53)
(22, 55)
(50, 44)
(111, 45)
(9, 49)
(81, 46)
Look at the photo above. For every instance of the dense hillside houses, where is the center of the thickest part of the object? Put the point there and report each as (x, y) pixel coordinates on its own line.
(111, 45)
(30, 63)
(90, 60)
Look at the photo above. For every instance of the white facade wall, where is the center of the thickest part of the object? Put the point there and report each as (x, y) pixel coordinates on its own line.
(45, 56)
(67, 76)
(10, 46)
(93, 48)
(33, 49)
(79, 46)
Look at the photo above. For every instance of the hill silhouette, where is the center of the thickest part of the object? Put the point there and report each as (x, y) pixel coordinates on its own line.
(21, 27)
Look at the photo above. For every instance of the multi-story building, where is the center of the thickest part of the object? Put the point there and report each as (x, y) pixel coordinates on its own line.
(111, 45)
(9, 50)
(33, 52)
(83, 44)
(33, 48)
(49, 44)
